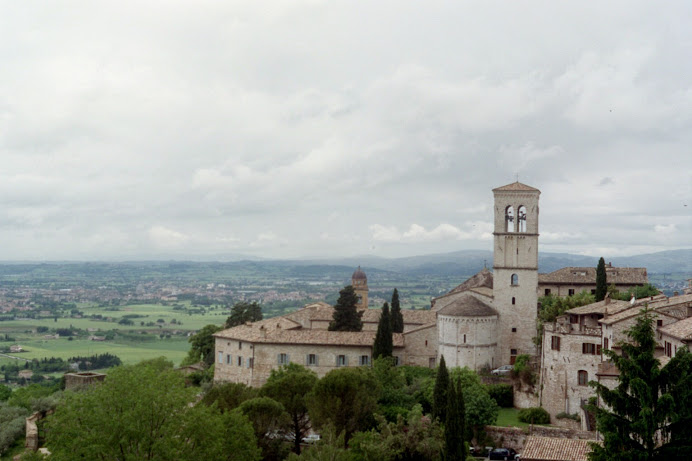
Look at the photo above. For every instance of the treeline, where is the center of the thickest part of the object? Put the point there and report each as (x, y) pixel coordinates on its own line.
(57, 364)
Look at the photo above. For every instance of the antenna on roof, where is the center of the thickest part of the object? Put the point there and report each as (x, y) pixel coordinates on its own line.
(517, 174)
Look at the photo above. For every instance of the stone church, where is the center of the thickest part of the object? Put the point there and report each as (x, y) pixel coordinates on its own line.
(490, 319)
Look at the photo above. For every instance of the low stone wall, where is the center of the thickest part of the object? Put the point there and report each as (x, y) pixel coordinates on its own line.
(32, 431)
(515, 437)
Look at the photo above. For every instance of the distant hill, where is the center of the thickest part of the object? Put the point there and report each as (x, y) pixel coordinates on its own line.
(467, 262)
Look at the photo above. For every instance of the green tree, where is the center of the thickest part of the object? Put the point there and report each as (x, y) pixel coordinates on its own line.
(455, 424)
(395, 396)
(649, 414)
(601, 280)
(481, 409)
(229, 396)
(345, 398)
(439, 409)
(384, 343)
(202, 346)
(270, 422)
(143, 413)
(346, 315)
(243, 312)
(397, 317)
(290, 385)
(5, 392)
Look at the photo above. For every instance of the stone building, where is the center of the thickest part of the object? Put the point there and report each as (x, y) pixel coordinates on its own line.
(572, 353)
(247, 353)
(490, 319)
(569, 281)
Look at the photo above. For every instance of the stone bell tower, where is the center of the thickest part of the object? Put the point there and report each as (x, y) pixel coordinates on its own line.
(359, 281)
(515, 269)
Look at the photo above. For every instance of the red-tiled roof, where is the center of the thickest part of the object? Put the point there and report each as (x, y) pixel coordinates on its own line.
(555, 449)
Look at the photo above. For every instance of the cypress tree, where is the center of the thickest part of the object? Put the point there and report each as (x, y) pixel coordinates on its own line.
(397, 318)
(455, 423)
(439, 408)
(601, 280)
(384, 345)
(346, 315)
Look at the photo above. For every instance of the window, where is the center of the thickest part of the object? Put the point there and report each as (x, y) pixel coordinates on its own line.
(364, 360)
(240, 361)
(228, 359)
(573, 319)
(509, 219)
(605, 343)
(283, 359)
(514, 330)
(521, 218)
(659, 323)
(250, 362)
(464, 339)
(341, 361)
(593, 292)
(515, 279)
(583, 378)
(590, 348)
(555, 343)
(396, 360)
(240, 345)
(547, 291)
(514, 300)
(512, 352)
(311, 360)
(570, 292)
(669, 349)
(220, 357)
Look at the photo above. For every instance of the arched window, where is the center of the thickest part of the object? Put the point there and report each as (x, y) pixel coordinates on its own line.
(515, 279)
(521, 219)
(509, 219)
(514, 300)
(583, 378)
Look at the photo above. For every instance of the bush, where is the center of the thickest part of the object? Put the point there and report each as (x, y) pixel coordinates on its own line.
(534, 415)
(503, 394)
(572, 416)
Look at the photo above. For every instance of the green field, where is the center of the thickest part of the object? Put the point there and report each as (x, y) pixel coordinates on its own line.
(130, 350)
(508, 417)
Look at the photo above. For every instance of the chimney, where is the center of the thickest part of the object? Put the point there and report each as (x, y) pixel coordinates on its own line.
(607, 299)
(264, 331)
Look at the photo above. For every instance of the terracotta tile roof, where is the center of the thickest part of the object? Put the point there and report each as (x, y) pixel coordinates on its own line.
(587, 276)
(325, 312)
(554, 449)
(482, 283)
(467, 306)
(600, 307)
(682, 329)
(516, 186)
(659, 307)
(268, 332)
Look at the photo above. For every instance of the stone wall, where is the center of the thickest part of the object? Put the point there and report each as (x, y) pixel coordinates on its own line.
(514, 437)
(77, 380)
(525, 399)
(468, 341)
(420, 346)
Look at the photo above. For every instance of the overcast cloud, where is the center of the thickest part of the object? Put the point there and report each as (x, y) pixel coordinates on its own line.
(308, 128)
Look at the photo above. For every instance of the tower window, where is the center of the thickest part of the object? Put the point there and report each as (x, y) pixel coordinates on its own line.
(515, 279)
(514, 300)
(514, 330)
(509, 219)
(521, 219)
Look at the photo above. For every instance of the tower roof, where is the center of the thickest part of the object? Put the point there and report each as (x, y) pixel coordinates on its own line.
(516, 186)
(359, 275)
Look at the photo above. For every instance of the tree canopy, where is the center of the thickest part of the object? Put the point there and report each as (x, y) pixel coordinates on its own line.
(290, 386)
(144, 413)
(202, 345)
(601, 280)
(384, 343)
(648, 415)
(346, 315)
(243, 312)
(397, 317)
(439, 406)
(344, 398)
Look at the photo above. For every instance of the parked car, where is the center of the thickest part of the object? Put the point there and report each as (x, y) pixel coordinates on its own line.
(503, 370)
(502, 453)
(311, 438)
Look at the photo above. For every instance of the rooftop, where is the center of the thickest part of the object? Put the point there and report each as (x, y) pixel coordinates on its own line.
(682, 329)
(555, 449)
(587, 276)
(467, 306)
(516, 186)
(600, 307)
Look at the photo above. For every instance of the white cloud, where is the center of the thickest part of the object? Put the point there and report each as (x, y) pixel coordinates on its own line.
(163, 237)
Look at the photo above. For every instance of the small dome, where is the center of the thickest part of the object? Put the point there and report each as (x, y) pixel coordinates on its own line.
(359, 275)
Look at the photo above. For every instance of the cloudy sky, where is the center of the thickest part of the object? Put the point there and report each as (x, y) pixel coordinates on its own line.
(308, 128)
